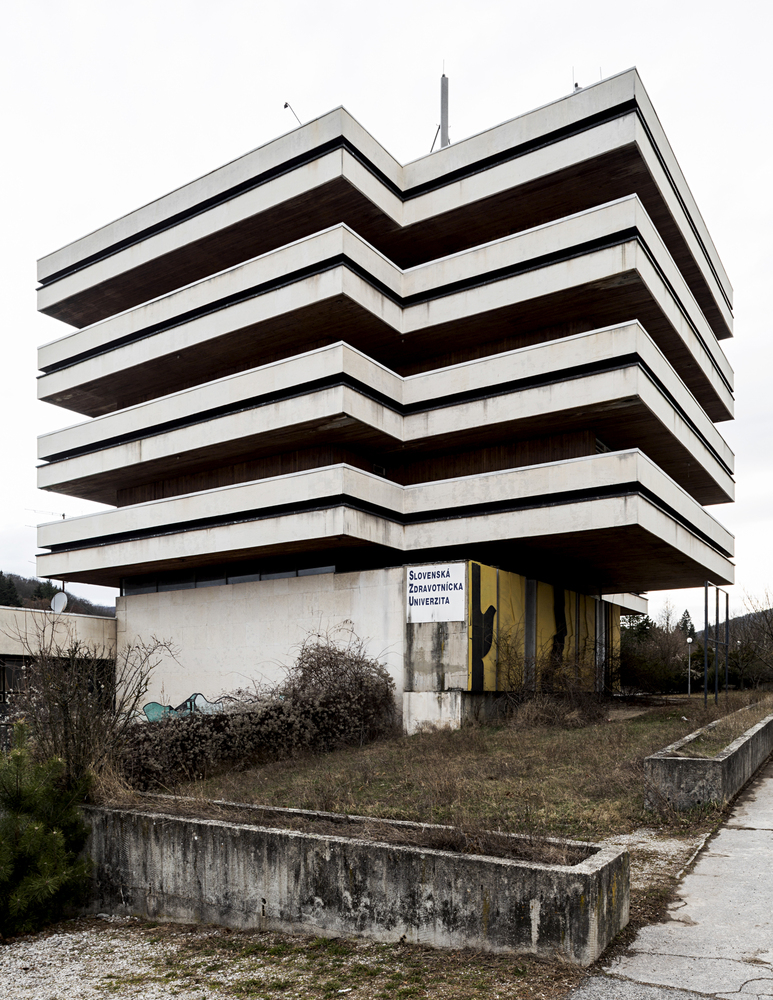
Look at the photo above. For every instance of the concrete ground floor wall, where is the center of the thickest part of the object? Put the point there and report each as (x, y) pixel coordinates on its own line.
(24, 630)
(450, 634)
(21, 630)
(239, 635)
(449, 709)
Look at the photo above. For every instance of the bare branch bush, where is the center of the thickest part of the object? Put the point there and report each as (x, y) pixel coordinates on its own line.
(551, 690)
(334, 695)
(351, 693)
(80, 698)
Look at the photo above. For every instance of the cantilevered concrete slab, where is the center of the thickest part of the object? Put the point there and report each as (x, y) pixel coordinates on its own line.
(614, 380)
(608, 265)
(616, 495)
(545, 164)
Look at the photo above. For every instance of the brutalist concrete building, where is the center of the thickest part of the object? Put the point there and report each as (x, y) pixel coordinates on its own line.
(468, 404)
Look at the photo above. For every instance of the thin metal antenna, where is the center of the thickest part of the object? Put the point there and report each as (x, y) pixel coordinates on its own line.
(437, 133)
(56, 513)
(296, 116)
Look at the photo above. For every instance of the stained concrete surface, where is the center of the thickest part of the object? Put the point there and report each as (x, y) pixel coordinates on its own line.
(718, 941)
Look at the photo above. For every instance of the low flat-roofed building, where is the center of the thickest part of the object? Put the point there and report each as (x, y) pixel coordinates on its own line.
(22, 630)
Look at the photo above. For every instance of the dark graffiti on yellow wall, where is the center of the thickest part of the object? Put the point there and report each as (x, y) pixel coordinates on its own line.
(527, 634)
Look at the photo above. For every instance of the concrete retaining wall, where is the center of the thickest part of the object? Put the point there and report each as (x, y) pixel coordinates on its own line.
(689, 781)
(194, 870)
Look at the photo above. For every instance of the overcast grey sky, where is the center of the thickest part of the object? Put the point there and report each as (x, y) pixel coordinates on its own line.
(110, 104)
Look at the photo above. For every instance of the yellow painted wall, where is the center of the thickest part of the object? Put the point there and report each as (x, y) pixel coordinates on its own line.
(614, 633)
(546, 622)
(503, 664)
(510, 635)
(489, 597)
(586, 660)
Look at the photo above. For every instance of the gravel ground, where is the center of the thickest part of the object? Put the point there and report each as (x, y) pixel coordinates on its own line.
(76, 963)
(119, 957)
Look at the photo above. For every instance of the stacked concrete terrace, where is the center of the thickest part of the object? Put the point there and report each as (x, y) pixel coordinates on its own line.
(315, 360)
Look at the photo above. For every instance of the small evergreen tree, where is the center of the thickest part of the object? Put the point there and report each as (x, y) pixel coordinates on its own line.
(685, 625)
(637, 628)
(44, 590)
(9, 595)
(41, 837)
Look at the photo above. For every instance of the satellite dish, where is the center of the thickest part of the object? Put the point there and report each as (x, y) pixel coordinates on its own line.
(59, 602)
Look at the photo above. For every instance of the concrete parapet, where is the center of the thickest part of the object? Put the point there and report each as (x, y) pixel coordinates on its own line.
(196, 870)
(684, 782)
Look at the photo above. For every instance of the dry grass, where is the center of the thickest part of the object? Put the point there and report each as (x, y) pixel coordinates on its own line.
(558, 769)
(729, 728)
(460, 839)
(584, 782)
(213, 963)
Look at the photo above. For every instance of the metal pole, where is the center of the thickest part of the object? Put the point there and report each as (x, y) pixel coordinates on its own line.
(727, 638)
(444, 141)
(689, 663)
(716, 650)
(706, 644)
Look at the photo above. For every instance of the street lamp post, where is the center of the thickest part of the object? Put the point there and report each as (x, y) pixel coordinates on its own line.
(689, 662)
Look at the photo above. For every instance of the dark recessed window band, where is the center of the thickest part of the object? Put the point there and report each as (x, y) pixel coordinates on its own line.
(340, 142)
(530, 146)
(620, 111)
(320, 267)
(425, 406)
(217, 576)
(687, 419)
(343, 260)
(354, 503)
(685, 313)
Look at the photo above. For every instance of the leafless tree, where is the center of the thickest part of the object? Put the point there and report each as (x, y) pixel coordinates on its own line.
(79, 698)
(755, 632)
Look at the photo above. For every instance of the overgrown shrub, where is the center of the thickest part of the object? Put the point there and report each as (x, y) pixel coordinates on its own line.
(333, 695)
(348, 697)
(41, 837)
(79, 698)
(572, 709)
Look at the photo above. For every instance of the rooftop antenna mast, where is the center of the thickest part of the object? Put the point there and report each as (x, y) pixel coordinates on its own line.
(444, 140)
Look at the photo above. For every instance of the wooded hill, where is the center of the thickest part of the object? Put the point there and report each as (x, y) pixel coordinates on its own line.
(27, 592)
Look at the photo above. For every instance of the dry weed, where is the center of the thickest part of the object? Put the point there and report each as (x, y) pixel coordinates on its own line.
(583, 783)
(730, 727)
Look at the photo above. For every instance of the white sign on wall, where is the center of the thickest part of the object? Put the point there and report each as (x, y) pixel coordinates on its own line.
(436, 593)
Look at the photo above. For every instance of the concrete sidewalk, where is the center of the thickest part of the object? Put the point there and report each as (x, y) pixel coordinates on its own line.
(719, 940)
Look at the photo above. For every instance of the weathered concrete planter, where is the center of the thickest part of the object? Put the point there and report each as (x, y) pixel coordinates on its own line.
(195, 870)
(691, 781)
